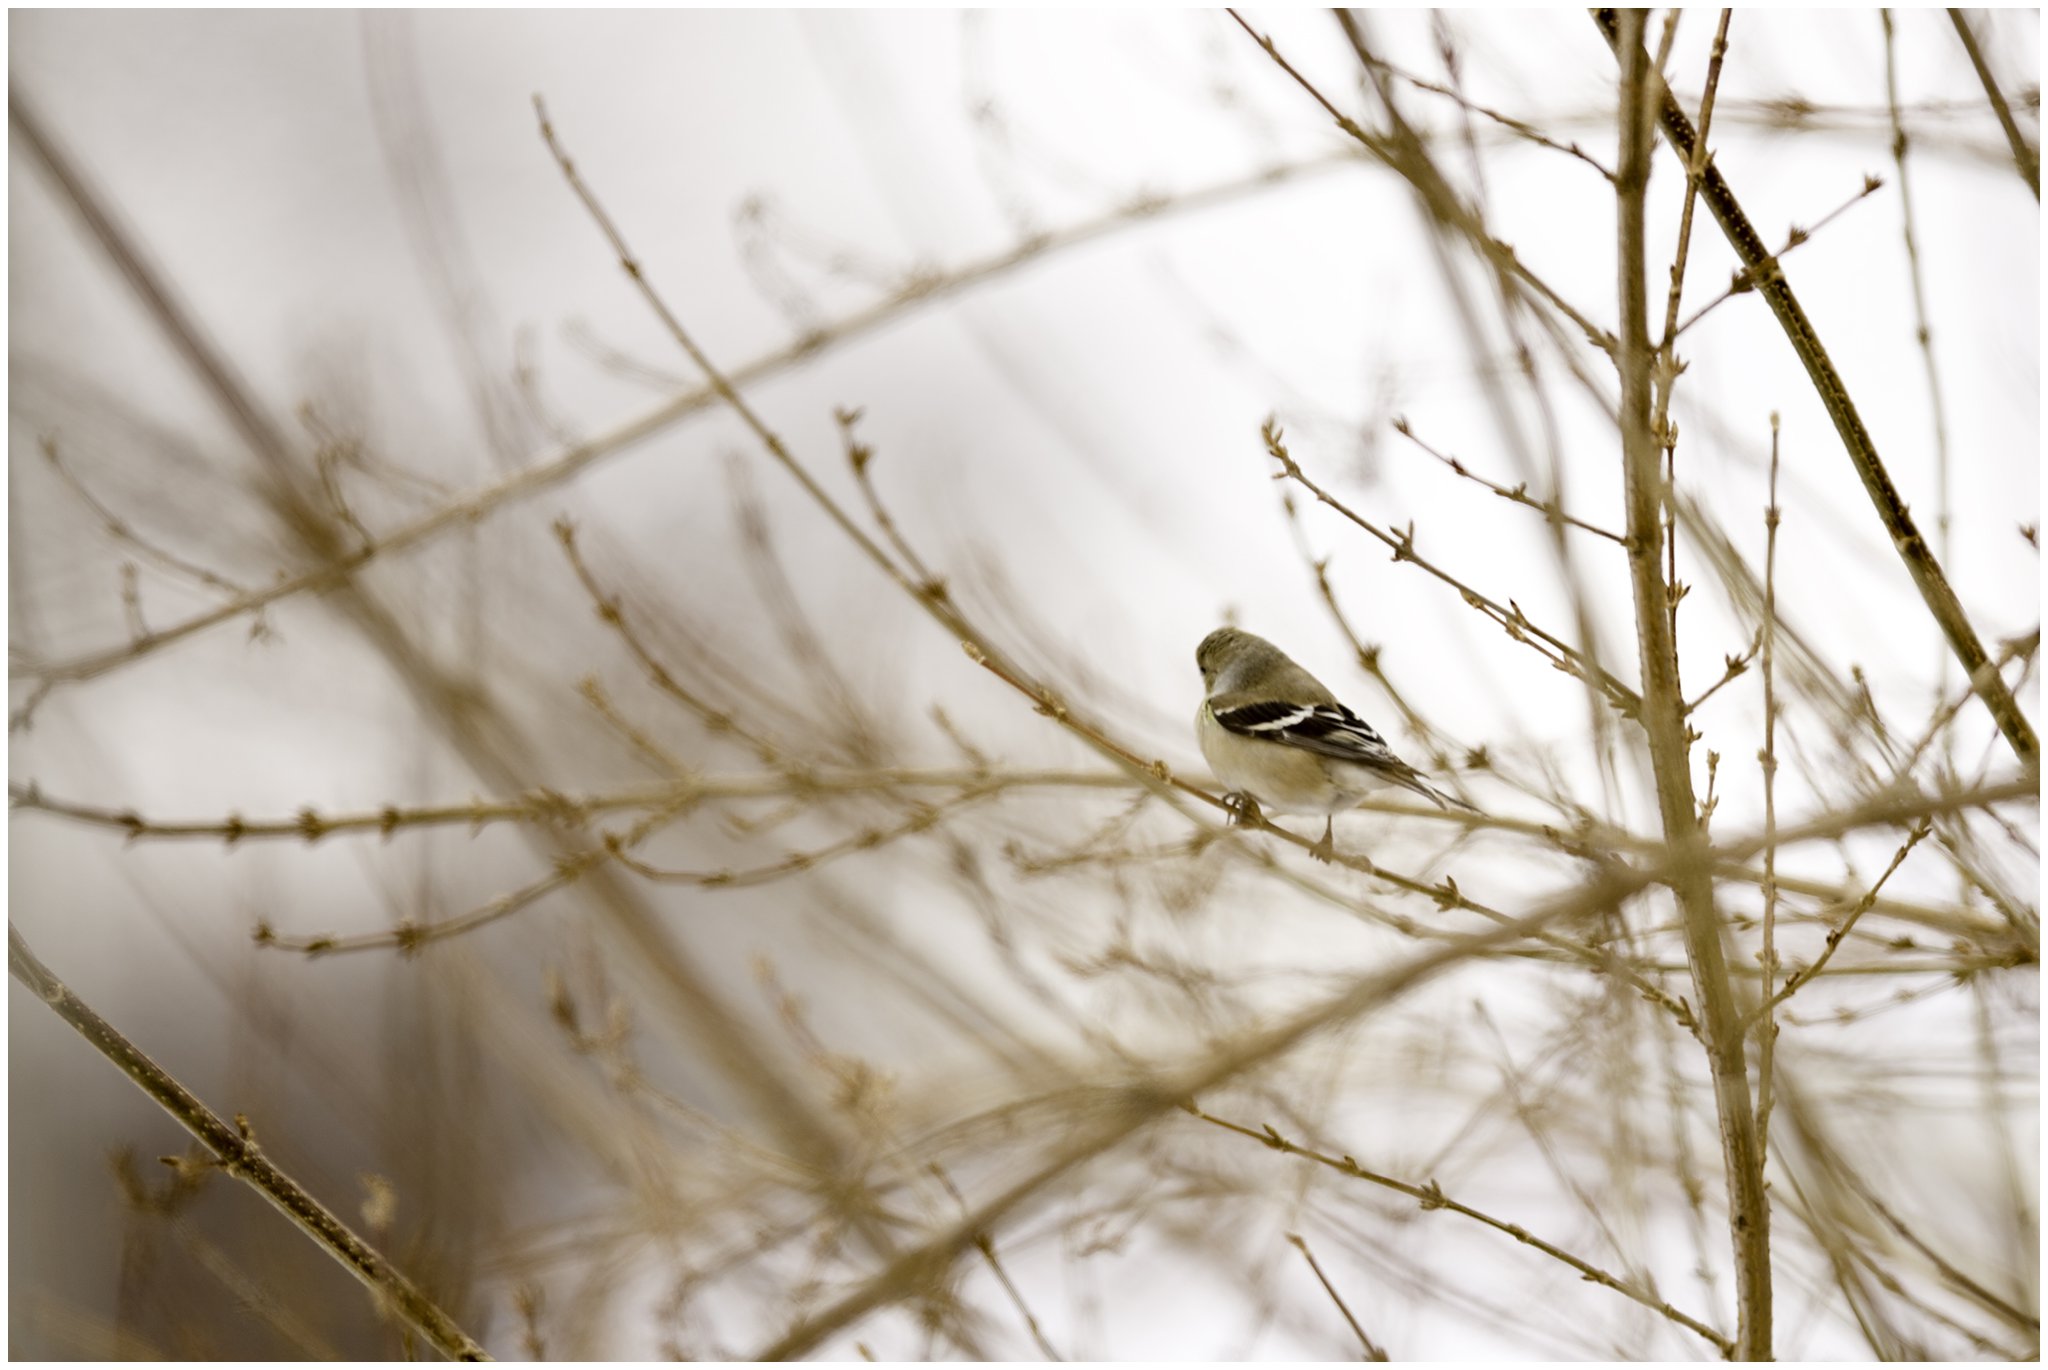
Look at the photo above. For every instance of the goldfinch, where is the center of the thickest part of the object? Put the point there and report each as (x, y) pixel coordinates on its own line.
(1278, 738)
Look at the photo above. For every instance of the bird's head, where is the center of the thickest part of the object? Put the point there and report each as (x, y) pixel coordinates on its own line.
(1229, 652)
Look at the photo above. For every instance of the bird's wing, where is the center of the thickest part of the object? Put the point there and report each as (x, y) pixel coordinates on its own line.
(1330, 730)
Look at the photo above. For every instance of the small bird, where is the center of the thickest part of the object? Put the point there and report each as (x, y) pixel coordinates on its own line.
(1276, 736)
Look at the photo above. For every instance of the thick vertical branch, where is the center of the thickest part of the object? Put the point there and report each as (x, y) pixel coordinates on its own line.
(1663, 718)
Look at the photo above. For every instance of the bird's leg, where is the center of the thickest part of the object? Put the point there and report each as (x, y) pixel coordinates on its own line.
(1243, 810)
(1325, 850)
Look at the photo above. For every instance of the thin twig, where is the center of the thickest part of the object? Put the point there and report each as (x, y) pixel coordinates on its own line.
(550, 807)
(1695, 172)
(1767, 1038)
(1840, 932)
(1372, 1348)
(1664, 377)
(611, 611)
(1367, 654)
(1552, 509)
(986, 1245)
(1747, 278)
(1509, 616)
(593, 691)
(860, 460)
(122, 531)
(2018, 1318)
(408, 936)
(2016, 649)
(1733, 667)
(1923, 330)
(1432, 1197)
(923, 819)
(1518, 127)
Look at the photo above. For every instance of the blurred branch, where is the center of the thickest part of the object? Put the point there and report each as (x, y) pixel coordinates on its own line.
(2022, 648)
(1132, 1108)
(1841, 930)
(1442, 202)
(1934, 122)
(923, 818)
(921, 287)
(2024, 156)
(235, 1150)
(548, 806)
(1520, 128)
(611, 611)
(987, 1246)
(2024, 1321)
(181, 330)
(487, 740)
(122, 531)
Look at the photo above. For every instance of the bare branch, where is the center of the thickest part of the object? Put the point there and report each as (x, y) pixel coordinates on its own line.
(1940, 599)
(235, 1150)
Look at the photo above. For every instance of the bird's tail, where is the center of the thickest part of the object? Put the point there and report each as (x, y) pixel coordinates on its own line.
(1443, 800)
